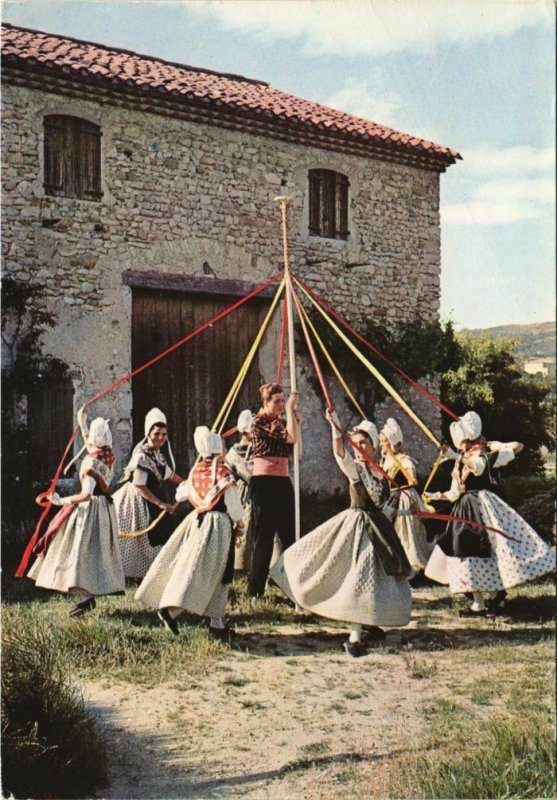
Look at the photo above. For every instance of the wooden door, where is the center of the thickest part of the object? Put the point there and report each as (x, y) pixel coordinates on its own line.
(190, 384)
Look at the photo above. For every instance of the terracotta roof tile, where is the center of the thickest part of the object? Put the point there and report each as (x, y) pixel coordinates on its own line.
(146, 73)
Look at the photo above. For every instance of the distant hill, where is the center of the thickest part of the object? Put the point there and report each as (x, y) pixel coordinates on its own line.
(537, 340)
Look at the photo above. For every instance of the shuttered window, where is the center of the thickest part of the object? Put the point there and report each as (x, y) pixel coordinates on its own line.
(328, 204)
(72, 157)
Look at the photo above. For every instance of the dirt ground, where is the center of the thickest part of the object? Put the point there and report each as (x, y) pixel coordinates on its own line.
(286, 714)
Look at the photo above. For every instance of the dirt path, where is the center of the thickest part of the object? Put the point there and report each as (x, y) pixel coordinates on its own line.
(286, 715)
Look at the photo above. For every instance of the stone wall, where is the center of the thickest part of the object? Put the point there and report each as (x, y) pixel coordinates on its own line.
(197, 200)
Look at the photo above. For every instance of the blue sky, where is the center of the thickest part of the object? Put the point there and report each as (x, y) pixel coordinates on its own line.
(476, 75)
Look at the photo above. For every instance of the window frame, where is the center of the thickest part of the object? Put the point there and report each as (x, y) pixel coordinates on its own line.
(72, 157)
(328, 204)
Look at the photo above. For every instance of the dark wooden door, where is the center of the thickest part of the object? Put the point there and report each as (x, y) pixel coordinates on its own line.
(50, 423)
(190, 384)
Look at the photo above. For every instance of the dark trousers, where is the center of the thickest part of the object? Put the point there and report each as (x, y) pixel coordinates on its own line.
(272, 508)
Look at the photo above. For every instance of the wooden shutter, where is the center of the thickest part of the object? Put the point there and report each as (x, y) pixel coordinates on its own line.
(315, 192)
(57, 154)
(341, 205)
(88, 144)
(72, 157)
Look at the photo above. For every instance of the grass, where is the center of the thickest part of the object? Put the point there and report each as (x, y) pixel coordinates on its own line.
(504, 760)
(499, 681)
(419, 668)
(50, 745)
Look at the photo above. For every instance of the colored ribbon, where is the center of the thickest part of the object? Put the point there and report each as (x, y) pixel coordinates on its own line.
(42, 499)
(377, 352)
(375, 372)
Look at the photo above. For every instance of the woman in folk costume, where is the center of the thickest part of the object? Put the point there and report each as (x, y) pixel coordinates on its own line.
(271, 491)
(142, 497)
(82, 554)
(402, 470)
(240, 462)
(193, 570)
(352, 567)
(468, 557)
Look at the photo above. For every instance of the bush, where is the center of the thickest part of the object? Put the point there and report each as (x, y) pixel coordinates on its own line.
(50, 746)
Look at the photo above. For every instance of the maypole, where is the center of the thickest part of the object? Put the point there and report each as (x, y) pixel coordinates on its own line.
(284, 202)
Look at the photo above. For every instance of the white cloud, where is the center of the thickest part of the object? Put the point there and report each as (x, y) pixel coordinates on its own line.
(501, 202)
(366, 98)
(354, 27)
(357, 97)
(488, 158)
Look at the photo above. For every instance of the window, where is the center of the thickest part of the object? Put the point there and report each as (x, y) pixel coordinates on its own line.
(72, 157)
(328, 204)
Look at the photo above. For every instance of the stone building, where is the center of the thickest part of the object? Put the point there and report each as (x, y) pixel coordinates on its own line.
(138, 194)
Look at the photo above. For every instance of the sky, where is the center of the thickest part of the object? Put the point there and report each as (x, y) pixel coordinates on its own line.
(474, 75)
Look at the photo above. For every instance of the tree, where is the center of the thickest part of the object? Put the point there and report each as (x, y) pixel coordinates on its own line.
(512, 405)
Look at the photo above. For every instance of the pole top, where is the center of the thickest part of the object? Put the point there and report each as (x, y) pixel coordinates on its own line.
(283, 198)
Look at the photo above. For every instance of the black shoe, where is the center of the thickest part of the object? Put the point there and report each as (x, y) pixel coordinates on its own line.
(169, 622)
(354, 649)
(374, 634)
(222, 634)
(497, 603)
(83, 607)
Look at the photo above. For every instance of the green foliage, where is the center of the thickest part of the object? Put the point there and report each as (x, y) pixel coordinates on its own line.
(477, 372)
(24, 372)
(418, 347)
(50, 746)
(512, 405)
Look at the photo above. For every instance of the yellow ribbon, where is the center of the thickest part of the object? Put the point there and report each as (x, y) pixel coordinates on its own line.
(133, 534)
(222, 416)
(373, 370)
(331, 362)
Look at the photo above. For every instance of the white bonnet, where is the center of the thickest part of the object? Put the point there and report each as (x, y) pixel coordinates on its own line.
(368, 427)
(99, 433)
(154, 417)
(467, 427)
(245, 421)
(392, 430)
(207, 443)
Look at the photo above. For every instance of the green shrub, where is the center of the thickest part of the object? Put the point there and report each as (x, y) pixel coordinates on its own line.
(50, 746)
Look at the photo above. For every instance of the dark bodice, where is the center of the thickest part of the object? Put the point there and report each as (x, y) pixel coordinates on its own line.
(359, 498)
(385, 541)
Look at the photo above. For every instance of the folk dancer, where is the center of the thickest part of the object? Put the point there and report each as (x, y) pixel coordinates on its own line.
(402, 470)
(195, 567)
(142, 497)
(469, 558)
(240, 461)
(79, 554)
(271, 490)
(352, 567)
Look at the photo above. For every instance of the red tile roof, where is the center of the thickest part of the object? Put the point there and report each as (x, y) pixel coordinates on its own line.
(38, 51)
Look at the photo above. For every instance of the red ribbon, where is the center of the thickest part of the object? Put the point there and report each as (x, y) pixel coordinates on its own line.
(42, 498)
(377, 352)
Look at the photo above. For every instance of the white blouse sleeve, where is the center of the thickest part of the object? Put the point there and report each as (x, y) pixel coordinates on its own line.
(168, 473)
(476, 464)
(88, 484)
(140, 477)
(233, 503)
(505, 454)
(454, 492)
(348, 466)
(183, 490)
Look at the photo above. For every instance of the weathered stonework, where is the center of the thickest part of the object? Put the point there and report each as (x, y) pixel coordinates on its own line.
(191, 198)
